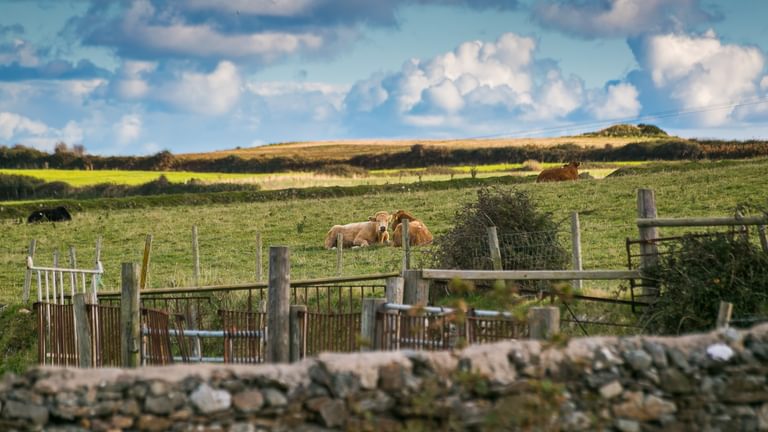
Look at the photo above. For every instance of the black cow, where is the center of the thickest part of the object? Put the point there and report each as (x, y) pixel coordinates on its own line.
(57, 214)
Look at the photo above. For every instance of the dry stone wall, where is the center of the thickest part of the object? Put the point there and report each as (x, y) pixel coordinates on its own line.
(707, 382)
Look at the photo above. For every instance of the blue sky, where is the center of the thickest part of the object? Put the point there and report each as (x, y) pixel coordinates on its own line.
(137, 77)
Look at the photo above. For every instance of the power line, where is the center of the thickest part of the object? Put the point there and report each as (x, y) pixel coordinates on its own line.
(593, 124)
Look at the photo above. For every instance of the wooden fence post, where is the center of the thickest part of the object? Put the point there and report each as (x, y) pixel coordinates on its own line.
(576, 246)
(259, 261)
(493, 244)
(130, 316)
(394, 290)
(298, 325)
(339, 253)
(543, 322)
(145, 261)
(724, 314)
(28, 274)
(406, 244)
(196, 255)
(649, 251)
(95, 280)
(82, 330)
(368, 330)
(416, 289)
(763, 238)
(278, 311)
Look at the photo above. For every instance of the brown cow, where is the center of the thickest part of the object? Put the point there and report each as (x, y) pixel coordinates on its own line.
(358, 234)
(567, 172)
(418, 233)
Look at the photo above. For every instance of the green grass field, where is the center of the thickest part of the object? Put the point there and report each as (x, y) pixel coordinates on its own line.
(227, 231)
(88, 178)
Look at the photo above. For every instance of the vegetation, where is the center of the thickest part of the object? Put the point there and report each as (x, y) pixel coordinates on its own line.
(628, 130)
(702, 271)
(17, 339)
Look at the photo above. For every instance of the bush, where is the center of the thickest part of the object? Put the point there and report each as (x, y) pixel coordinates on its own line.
(700, 272)
(342, 170)
(513, 213)
(532, 165)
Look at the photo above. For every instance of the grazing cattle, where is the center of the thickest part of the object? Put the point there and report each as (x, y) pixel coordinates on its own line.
(361, 233)
(566, 172)
(418, 233)
(57, 214)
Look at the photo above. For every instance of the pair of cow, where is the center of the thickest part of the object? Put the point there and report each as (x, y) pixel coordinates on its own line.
(374, 231)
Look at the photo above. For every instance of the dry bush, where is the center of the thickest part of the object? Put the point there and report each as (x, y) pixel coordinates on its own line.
(532, 165)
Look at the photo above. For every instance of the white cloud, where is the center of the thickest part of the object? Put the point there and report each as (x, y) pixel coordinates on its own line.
(764, 83)
(12, 124)
(19, 51)
(250, 7)
(130, 83)
(128, 129)
(619, 18)
(617, 101)
(211, 94)
(702, 72)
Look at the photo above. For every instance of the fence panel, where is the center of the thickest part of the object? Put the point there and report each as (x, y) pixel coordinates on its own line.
(105, 335)
(244, 332)
(56, 334)
(156, 338)
(336, 332)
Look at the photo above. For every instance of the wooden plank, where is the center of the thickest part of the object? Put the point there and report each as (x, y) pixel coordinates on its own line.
(368, 324)
(28, 274)
(130, 316)
(530, 274)
(416, 289)
(82, 330)
(145, 261)
(543, 322)
(394, 290)
(278, 309)
(576, 246)
(724, 314)
(236, 287)
(701, 221)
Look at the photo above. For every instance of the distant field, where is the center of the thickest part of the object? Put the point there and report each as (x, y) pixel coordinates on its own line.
(86, 178)
(329, 150)
(227, 231)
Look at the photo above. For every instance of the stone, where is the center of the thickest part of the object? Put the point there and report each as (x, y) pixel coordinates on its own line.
(674, 381)
(657, 352)
(207, 400)
(17, 410)
(242, 427)
(627, 425)
(130, 408)
(377, 402)
(605, 358)
(639, 360)
(577, 421)
(158, 388)
(181, 415)
(611, 390)
(152, 423)
(720, 352)
(344, 384)
(391, 377)
(678, 359)
(643, 407)
(274, 397)
(165, 404)
(121, 422)
(762, 417)
(248, 401)
(333, 413)
(104, 408)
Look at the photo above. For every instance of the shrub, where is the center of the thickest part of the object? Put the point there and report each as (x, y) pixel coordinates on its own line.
(700, 272)
(342, 170)
(513, 213)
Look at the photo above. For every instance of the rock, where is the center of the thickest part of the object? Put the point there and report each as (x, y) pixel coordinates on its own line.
(121, 422)
(762, 417)
(391, 377)
(674, 381)
(678, 359)
(643, 407)
(627, 425)
(242, 427)
(344, 384)
(274, 398)
(130, 408)
(165, 404)
(207, 400)
(639, 360)
(332, 412)
(152, 423)
(577, 421)
(377, 402)
(17, 410)
(720, 352)
(158, 388)
(611, 390)
(248, 401)
(657, 353)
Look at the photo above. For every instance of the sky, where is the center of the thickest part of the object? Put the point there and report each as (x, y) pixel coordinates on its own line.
(138, 77)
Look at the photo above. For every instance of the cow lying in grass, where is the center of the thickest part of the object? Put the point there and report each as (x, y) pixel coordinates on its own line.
(566, 172)
(359, 234)
(58, 214)
(418, 233)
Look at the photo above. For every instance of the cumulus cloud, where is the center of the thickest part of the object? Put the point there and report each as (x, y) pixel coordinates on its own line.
(129, 82)
(617, 101)
(620, 18)
(699, 72)
(20, 60)
(128, 129)
(477, 86)
(215, 93)
(12, 124)
(35, 133)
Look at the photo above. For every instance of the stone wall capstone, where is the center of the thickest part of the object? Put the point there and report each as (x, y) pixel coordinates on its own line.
(715, 381)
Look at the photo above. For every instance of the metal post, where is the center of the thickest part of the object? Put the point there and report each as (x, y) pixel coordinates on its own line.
(130, 316)
(298, 325)
(416, 289)
(278, 297)
(576, 246)
(368, 330)
(82, 330)
(543, 322)
(724, 314)
(195, 255)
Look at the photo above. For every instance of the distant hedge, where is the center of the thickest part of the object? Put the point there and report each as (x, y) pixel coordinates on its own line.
(418, 156)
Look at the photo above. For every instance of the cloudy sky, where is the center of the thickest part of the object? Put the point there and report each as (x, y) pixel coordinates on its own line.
(137, 77)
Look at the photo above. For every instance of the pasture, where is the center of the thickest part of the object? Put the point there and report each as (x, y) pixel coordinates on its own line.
(227, 231)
